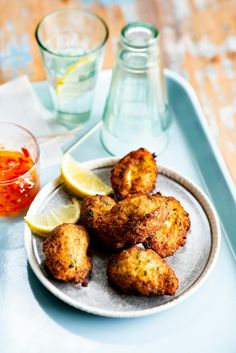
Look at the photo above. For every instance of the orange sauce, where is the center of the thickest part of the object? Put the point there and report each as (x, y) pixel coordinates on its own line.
(17, 187)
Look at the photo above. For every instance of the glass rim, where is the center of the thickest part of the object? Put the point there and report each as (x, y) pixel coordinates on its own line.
(144, 24)
(92, 14)
(11, 181)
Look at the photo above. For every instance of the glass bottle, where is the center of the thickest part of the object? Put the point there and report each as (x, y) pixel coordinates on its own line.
(136, 111)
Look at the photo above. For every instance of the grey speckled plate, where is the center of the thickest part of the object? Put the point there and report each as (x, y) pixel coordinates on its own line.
(192, 263)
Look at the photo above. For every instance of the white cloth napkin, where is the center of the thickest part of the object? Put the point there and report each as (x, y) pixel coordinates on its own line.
(19, 104)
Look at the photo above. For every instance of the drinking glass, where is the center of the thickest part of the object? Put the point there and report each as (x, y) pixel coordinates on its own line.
(136, 112)
(72, 43)
(19, 168)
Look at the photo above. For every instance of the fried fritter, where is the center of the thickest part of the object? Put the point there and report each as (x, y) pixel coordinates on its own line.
(92, 208)
(143, 271)
(65, 253)
(133, 174)
(132, 220)
(172, 234)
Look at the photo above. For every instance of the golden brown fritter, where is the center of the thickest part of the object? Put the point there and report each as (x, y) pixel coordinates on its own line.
(65, 253)
(133, 174)
(172, 234)
(92, 208)
(143, 271)
(132, 220)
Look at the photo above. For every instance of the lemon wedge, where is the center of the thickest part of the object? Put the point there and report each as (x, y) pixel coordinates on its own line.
(80, 181)
(43, 223)
(75, 81)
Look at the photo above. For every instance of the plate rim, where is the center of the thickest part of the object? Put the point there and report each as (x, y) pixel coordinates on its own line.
(169, 172)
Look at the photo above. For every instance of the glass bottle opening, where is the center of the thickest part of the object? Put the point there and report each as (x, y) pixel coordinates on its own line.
(139, 35)
(138, 49)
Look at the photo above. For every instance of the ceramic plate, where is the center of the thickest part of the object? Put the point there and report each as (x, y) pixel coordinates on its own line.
(192, 263)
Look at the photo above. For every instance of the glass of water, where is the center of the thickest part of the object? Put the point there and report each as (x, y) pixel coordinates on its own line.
(72, 43)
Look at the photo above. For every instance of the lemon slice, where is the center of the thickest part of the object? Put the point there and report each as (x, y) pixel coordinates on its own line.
(80, 181)
(76, 80)
(43, 223)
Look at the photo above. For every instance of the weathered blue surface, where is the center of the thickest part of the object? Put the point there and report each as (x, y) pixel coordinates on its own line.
(16, 56)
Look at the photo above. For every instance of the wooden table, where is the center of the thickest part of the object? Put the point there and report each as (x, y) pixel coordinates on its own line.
(198, 39)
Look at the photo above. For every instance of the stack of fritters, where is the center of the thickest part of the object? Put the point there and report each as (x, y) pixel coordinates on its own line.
(130, 221)
(157, 222)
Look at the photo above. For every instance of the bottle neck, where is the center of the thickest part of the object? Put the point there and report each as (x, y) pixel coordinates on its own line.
(138, 46)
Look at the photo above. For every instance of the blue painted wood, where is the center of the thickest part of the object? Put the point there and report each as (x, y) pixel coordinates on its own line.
(16, 57)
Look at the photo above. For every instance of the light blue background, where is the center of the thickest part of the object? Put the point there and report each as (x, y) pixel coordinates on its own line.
(33, 320)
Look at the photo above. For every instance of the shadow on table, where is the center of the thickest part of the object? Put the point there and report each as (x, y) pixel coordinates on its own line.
(104, 329)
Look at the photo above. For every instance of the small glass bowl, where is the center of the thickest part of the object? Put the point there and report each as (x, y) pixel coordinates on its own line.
(17, 193)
